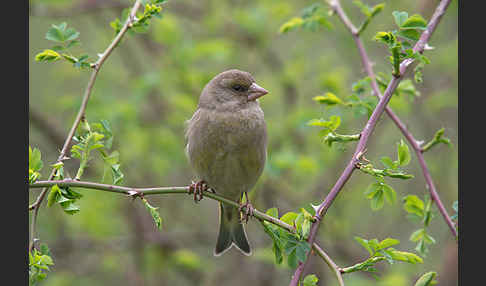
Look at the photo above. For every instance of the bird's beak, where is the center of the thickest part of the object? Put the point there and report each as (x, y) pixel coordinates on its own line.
(256, 91)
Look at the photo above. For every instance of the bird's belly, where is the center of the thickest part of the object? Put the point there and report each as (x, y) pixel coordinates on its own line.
(229, 155)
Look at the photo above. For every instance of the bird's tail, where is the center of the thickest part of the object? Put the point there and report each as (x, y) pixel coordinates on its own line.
(231, 231)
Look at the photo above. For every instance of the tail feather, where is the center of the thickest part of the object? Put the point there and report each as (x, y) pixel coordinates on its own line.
(231, 231)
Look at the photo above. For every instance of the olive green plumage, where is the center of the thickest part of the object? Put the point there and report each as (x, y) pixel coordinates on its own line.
(227, 147)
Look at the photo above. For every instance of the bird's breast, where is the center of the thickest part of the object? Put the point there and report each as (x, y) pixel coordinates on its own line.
(228, 149)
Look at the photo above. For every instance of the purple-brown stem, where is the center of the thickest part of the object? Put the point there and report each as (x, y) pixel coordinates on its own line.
(369, 127)
(407, 134)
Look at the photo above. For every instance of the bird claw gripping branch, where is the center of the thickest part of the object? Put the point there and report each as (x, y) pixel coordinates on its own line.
(198, 188)
(248, 209)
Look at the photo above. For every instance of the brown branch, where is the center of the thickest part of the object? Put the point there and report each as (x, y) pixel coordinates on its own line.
(96, 66)
(419, 47)
(336, 270)
(134, 192)
(368, 129)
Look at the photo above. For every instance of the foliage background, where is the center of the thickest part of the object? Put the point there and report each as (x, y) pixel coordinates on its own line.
(150, 86)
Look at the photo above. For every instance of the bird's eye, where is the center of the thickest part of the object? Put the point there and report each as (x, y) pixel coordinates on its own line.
(238, 87)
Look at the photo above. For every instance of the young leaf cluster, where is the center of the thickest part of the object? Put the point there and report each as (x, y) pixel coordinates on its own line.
(428, 279)
(39, 262)
(363, 104)
(359, 100)
(293, 246)
(400, 42)
(35, 164)
(405, 87)
(369, 12)
(97, 136)
(329, 126)
(153, 212)
(312, 18)
(142, 20)
(64, 196)
(379, 191)
(310, 280)
(65, 38)
(438, 138)
(421, 211)
(381, 250)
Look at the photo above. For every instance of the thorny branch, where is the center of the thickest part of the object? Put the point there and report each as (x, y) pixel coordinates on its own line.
(370, 125)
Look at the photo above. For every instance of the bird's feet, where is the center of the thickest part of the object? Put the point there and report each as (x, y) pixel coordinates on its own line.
(198, 188)
(248, 209)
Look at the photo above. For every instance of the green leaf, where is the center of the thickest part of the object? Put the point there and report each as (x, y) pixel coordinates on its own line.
(116, 174)
(329, 99)
(428, 279)
(278, 253)
(153, 212)
(296, 250)
(56, 33)
(405, 256)
(273, 212)
(377, 9)
(417, 235)
(70, 193)
(116, 25)
(386, 38)
(413, 204)
(428, 239)
(365, 244)
(71, 34)
(289, 218)
(292, 260)
(47, 56)
(403, 154)
(306, 225)
(414, 22)
(310, 280)
(290, 25)
(372, 189)
(331, 125)
(411, 35)
(421, 248)
(35, 159)
(365, 9)
(72, 44)
(388, 163)
(53, 195)
(377, 201)
(69, 207)
(400, 17)
(387, 242)
(274, 233)
(390, 194)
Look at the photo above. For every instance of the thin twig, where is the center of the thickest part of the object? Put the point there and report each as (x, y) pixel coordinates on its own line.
(336, 270)
(368, 129)
(96, 67)
(130, 191)
(336, 6)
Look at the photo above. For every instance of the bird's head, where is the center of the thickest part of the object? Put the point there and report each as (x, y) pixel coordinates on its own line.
(231, 89)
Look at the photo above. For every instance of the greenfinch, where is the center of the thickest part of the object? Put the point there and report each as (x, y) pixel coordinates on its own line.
(227, 148)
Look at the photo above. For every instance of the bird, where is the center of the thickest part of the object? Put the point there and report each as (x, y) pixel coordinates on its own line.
(226, 146)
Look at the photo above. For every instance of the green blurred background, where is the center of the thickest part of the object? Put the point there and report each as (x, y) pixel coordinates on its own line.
(150, 85)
